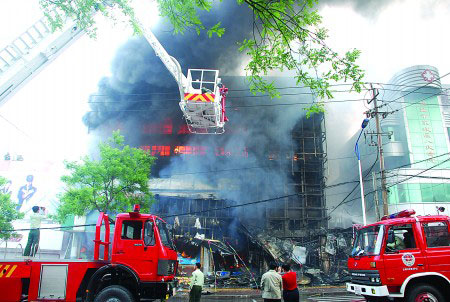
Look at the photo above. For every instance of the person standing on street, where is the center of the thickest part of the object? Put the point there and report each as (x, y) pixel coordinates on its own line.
(196, 285)
(33, 237)
(290, 289)
(271, 284)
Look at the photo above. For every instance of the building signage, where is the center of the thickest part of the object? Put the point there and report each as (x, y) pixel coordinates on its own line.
(426, 130)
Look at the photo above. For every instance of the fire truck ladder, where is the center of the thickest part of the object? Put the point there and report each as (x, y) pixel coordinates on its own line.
(202, 100)
(26, 55)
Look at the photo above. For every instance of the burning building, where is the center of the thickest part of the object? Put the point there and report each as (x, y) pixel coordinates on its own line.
(263, 179)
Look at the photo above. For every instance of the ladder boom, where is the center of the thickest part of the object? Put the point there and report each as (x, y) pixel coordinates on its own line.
(23, 64)
(170, 62)
(202, 94)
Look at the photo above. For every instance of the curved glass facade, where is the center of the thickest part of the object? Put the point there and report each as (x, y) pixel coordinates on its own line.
(416, 153)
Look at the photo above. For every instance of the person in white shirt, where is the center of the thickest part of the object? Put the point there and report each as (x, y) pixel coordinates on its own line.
(33, 237)
(196, 285)
(271, 284)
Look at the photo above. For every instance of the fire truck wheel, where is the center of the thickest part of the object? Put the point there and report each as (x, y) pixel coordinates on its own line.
(114, 293)
(424, 293)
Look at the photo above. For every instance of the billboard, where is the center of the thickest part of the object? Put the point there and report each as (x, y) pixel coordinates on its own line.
(33, 183)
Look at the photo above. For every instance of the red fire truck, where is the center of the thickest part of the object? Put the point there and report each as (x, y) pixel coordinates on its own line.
(142, 267)
(404, 257)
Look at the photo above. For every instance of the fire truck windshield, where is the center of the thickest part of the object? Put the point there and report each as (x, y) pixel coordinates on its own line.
(368, 241)
(164, 233)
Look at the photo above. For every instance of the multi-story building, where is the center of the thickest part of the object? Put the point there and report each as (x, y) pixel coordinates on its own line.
(269, 150)
(416, 143)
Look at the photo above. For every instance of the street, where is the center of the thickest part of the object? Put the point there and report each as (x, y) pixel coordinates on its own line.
(308, 295)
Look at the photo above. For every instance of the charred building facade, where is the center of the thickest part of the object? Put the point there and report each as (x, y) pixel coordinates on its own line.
(264, 175)
(263, 179)
(266, 171)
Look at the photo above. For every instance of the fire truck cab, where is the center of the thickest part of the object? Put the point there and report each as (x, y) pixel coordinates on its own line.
(142, 267)
(402, 256)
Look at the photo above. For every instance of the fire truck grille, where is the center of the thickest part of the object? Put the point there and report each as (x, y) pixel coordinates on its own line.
(166, 267)
(365, 277)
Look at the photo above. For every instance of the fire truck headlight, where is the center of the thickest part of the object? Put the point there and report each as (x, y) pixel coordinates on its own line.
(377, 280)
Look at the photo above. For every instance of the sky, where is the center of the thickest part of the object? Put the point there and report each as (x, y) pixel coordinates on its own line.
(43, 119)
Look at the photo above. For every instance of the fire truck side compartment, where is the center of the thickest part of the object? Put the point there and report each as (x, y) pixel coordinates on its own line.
(53, 281)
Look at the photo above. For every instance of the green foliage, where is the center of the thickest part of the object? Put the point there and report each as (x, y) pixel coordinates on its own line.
(287, 36)
(318, 107)
(113, 183)
(8, 212)
(84, 11)
(291, 38)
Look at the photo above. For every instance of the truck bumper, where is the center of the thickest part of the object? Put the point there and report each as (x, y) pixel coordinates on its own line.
(367, 290)
(158, 290)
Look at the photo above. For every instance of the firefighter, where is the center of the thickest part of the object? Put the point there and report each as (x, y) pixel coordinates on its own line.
(395, 243)
(33, 237)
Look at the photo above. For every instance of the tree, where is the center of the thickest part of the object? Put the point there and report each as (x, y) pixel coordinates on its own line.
(113, 183)
(287, 36)
(8, 212)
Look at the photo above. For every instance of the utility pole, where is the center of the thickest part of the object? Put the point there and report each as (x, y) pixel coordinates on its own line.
(375, 195)
(380, 151)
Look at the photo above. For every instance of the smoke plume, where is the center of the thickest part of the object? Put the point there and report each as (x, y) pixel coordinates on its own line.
(140, 80)
(252, 161)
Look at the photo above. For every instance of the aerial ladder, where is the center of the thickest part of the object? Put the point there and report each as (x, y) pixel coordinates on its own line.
(29, 53)
(202, 94)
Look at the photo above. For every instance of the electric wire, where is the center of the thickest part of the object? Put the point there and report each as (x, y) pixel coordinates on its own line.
(258, 201)
(415, 103)
(418, 88)
(391, 185)
(354, 188)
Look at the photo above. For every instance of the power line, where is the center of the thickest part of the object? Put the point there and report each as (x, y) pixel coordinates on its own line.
(353, 190)
(228, 107)
(418, 88)
(17, 128)
(421, 172)
(233, 206)
(391, 185)
(420, 176)
(420, 161)
(228, 98)
(414, 103)
(348, 195)
(277, 88)
(254, 202)
(51, 228)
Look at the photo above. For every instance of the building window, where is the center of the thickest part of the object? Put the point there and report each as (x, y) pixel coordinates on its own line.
(419, 193)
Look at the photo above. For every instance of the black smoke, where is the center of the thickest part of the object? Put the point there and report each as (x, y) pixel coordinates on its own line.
(141, 82)
(253, 160)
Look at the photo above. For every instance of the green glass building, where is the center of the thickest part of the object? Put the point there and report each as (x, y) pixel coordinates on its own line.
(416, 149)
